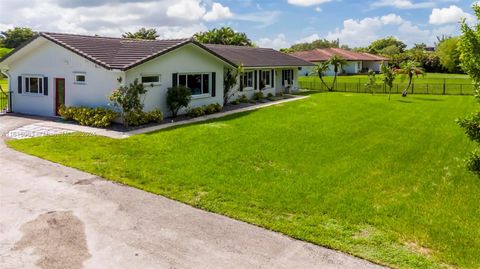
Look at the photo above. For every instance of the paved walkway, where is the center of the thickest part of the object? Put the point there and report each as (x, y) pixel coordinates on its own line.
(52, 216)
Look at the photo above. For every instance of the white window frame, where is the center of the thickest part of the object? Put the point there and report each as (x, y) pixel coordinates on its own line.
(244, 78)
(262, 77)
(75, 76)
(202, 94)
(287, 76)
(26, 86)
(151, 83)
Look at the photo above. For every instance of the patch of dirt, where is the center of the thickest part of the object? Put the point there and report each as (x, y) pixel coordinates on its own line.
(58, 238)
(419, 249)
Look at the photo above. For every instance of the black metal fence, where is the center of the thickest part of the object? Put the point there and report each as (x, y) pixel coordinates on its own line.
(450, 88)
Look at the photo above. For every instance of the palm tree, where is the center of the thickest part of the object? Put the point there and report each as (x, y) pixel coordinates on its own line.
(388, 77)
(337, 62)
(319, 70)
(410, 69)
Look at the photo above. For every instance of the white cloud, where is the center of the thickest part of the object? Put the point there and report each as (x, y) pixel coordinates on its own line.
(318, 9)
(308, 39)
(452, 14)
(307, 3)
(402, 4)
(218, 12)
(277, 43)
(357, 32)
(190, 10)
(391, 19)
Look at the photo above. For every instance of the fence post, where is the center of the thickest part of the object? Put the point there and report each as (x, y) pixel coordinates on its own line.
(413, 86)
(427, 88)
(444, 85)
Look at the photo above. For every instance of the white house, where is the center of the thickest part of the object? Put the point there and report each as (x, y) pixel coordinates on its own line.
(357, 62)
(54, 69)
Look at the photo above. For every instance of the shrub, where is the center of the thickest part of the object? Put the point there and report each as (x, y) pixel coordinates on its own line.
(96, 117)
(270, 95)
(196, 112)
(155, 115)
(127, 100)
(178, 97)
(258, 96)
(212, 108)
(242, 99)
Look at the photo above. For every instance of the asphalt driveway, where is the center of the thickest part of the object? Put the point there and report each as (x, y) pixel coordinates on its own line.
(52, 216)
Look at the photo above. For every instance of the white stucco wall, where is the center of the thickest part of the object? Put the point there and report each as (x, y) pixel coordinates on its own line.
(187, 59)
(53, 61)
(373, 65)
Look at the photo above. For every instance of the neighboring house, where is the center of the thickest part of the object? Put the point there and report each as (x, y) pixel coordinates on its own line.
(55, 69)
(357, 62)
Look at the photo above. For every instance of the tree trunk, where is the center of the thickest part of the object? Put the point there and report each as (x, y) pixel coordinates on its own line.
(405, 92)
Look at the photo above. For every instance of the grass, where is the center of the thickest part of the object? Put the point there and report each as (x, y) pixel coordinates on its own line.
(428, 78)
(381, 180)
(4, 84)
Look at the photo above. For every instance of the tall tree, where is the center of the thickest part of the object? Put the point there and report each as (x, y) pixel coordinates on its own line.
(469, 47)
(13, 38)
(142, 33)
(337, 62)
(388, 45)
(410, 69)
(223, 36)
(449, 55)
(230, 79)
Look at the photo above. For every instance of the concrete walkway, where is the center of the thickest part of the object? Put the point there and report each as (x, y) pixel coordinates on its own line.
(52, 216)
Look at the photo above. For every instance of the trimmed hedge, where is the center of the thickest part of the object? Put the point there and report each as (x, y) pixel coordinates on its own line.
(204, 110)
(95, 117)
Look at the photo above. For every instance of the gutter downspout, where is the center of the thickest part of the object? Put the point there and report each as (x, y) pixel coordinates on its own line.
(9, 107)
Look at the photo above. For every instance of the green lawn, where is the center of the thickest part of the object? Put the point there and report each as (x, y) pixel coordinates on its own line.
(428, 78)
(4, 84)
(383, 180)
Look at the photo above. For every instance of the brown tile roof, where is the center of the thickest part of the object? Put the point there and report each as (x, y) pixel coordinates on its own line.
(114, 53)
(256, 57)
(320, 55)
(123, 54)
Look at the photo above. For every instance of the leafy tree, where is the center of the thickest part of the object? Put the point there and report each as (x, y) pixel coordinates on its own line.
(13, 38)
(389, 76)
(449, 55)
(127, 100)
(410, 69)
(320, 70)
(469, 46)
(317, 44)
(229, 81)
(387, 45)
(223, 36)
(337, 62)
(371, 85)
(142, 33)
(178, 97)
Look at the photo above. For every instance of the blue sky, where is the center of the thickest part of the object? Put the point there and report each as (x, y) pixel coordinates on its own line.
(268, 23)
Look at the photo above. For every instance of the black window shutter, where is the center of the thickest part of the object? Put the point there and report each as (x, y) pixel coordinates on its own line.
(45, 85)
(19, 84)
(214, 86)
(255, 87)
(174, 79)
(283, 77)
(272, 79)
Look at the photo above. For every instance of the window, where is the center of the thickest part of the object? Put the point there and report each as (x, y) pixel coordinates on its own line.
(34, 85)
(198, 83)
(247, 79)
(80, 78)
(265, 77)
(150, 79)
(287, 76)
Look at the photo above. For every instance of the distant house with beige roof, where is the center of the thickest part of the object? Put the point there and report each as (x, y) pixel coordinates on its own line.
(358, 62)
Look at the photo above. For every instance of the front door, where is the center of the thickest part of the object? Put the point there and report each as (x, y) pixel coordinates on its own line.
(59, 93)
